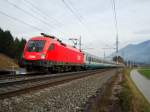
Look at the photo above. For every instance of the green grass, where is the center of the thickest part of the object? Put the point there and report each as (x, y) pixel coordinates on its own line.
(125, 98)
(145, 72)
(131, 99)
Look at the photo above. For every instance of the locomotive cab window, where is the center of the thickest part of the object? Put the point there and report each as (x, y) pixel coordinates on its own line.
(35, 45)
(51, 47)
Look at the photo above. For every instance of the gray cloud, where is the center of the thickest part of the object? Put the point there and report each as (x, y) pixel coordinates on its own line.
(97, 29)
(143, 32)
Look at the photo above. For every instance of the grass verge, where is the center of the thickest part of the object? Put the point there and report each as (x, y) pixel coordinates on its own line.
(131, 99)
(6, 62)
(145, 72)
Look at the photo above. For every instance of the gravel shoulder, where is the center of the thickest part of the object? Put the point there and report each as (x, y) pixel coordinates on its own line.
(67, 97)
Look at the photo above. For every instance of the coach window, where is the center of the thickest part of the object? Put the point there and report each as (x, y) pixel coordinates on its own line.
(89, 58)
(51, 47)
(86, 58)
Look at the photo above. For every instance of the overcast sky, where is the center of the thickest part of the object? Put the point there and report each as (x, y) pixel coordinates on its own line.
(93, 20)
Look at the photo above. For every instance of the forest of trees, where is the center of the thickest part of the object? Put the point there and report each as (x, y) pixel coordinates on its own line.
(12, 47)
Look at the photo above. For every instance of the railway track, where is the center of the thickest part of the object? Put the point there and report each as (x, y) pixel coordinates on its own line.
(14, 75)
(14, 87)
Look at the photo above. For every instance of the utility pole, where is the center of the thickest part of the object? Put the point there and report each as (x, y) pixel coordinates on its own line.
(80, 43)
(104, 55)
(107, 48)
(117, 44)
(116, 27)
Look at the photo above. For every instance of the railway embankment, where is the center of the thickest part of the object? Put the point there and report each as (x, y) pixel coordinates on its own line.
(68, 97)
(107, 99)
(132, 100)
(6, 62)
(119, 95)
(109, 91)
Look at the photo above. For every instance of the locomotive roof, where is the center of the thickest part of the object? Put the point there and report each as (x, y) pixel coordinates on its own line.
(40, 38)
(56, 41)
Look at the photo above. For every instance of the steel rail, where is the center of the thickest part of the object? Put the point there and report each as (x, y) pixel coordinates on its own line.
(14, 88)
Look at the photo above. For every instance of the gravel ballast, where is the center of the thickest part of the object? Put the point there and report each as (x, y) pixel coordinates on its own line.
(67, 97)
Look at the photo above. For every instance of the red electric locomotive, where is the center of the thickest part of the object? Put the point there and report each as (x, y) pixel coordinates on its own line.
(50, 53)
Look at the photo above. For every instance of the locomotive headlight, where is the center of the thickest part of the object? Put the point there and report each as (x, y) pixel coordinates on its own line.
(42, 56)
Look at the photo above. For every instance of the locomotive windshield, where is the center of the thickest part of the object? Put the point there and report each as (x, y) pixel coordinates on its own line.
(35, 45)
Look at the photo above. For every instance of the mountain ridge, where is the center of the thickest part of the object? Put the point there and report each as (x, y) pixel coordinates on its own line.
(139, 53)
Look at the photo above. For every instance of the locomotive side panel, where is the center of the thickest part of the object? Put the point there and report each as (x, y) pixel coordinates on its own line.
(68, 55)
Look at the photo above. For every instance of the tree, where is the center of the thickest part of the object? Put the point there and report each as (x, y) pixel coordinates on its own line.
(118, 58)
(6, 42)
(10, 46)
(1, 41)
(20, 47)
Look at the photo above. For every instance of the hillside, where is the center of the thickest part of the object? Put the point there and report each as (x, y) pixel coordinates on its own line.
(6, 62)
(137, 52)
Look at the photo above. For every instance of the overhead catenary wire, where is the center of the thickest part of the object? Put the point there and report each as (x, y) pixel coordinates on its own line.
(29, 13)
(42, 12)
(46, 17)
(37, 18)
(20, 21)
(116, 24)
(116, 28)
(74, 11)
(115, 15)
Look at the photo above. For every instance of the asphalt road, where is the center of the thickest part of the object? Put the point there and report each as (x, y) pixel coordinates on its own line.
(142, 83)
